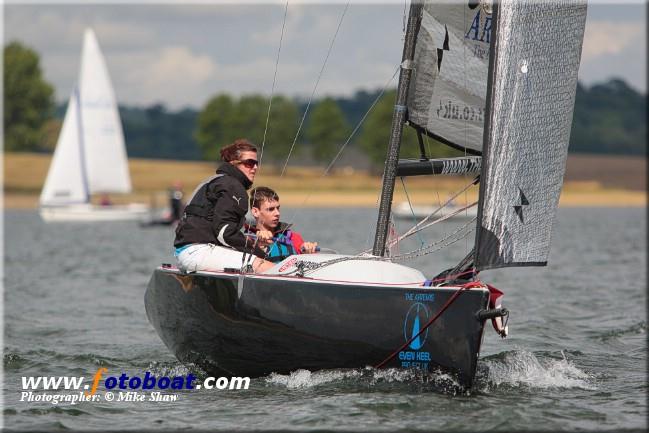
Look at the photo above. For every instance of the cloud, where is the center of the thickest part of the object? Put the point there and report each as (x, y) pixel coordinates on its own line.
(271, 34)
(180, 63)
(182, 54)
(61, 28)
(604, 38)
(172, 75)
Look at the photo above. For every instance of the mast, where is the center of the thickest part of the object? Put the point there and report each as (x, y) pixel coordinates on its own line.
(82, 150)
(398, 119)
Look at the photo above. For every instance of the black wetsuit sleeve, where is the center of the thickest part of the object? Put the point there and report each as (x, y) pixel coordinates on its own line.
(230, 207)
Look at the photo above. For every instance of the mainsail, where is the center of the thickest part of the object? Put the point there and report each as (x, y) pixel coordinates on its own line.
(446, 98)
(533, 80)
(90, 155)
(106, 159)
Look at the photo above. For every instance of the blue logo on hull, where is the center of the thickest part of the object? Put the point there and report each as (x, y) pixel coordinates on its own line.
(417, 316)
(416, 343)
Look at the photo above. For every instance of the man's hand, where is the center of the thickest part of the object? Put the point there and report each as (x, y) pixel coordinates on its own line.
(309, 247)
(264, 238)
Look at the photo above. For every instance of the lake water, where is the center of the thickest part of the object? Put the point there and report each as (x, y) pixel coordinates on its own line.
(576, 358)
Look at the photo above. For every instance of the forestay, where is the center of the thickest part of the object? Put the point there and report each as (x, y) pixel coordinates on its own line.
(532, 83)
(448, 91)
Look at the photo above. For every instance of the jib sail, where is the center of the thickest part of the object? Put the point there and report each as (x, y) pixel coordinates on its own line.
(532, 82)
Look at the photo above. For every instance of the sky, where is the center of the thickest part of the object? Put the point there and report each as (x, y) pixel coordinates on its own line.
(180, 55)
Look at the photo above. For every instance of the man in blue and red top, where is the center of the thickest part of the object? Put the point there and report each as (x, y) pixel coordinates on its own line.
(274, 236)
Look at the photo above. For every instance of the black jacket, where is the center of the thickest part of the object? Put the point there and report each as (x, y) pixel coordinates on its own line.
(216, 212)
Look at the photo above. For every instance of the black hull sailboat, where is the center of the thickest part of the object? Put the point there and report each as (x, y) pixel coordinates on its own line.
(497, 81)
(254, 325)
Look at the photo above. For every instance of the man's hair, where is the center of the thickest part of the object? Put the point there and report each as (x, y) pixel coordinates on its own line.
(261, 194)
(232, 152)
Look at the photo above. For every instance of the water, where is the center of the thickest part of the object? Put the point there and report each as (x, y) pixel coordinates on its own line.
(576, 357)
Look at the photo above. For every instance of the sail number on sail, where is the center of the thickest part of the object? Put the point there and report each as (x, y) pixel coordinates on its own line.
(450, 110)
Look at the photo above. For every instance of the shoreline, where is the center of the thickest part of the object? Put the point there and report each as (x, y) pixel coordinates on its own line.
(368, 199)
(588, 184)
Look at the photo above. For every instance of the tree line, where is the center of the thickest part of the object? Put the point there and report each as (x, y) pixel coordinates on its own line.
(609, 118)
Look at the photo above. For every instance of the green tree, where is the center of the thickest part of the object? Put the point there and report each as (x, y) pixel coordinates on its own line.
(249, 119)
(28, 99)
(327, 130)
(375, 136)
(225, 119)
(609, 118)
(214, 125)
(282, 126)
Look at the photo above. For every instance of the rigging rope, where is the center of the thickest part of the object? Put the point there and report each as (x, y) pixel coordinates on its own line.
(272, 90)
(443, 218)
(421, 224)
(270, 103)
(453, 197)
(344, 145)
(358, 125)
(297, 134)
(429, 249)
(414, 218)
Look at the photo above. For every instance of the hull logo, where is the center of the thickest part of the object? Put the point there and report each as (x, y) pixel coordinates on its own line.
(417, 316)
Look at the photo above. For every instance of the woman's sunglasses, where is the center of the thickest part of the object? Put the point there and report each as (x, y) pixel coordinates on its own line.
(249, 163)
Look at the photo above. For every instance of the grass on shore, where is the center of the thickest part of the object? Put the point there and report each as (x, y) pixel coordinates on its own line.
(24, 175)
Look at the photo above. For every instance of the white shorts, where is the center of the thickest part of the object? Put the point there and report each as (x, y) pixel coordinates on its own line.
(210, 257)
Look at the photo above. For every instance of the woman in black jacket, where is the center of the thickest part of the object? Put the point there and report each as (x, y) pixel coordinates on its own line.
(208, 236)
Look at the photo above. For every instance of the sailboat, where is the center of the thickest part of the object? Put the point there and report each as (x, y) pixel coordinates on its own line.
(498, 81)
(90, 155)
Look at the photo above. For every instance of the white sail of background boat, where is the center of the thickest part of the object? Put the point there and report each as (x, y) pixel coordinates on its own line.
(90, 155)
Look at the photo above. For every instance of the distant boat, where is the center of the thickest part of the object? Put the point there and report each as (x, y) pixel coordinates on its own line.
(90, 156)
(404, 211)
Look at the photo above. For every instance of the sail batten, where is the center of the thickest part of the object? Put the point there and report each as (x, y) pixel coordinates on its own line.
(532, 91)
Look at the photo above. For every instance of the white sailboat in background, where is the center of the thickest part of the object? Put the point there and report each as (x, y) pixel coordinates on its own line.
(90, 156)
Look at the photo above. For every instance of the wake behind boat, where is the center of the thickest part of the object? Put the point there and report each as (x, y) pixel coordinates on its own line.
(90, 155)
(497, 81)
